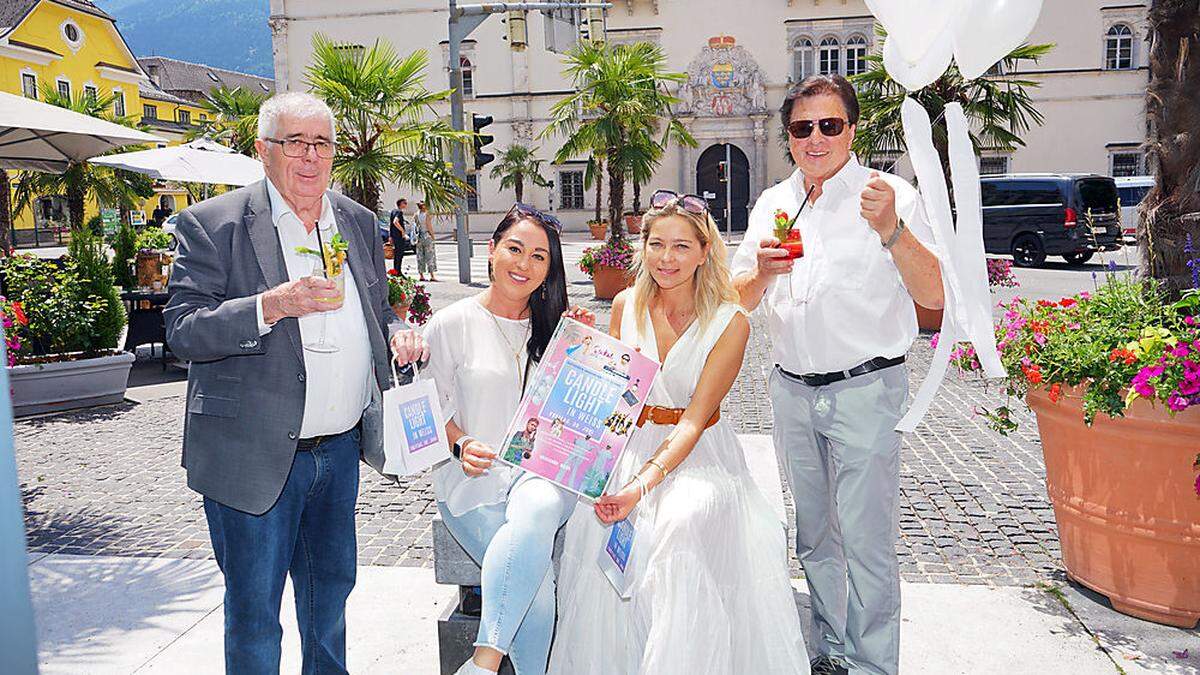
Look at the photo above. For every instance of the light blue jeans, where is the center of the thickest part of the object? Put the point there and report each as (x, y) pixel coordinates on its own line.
(513, 543)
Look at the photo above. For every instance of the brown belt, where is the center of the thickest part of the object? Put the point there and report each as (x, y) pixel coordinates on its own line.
(667, 416)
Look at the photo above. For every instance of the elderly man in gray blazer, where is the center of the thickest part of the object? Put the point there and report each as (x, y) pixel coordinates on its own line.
(287, 369)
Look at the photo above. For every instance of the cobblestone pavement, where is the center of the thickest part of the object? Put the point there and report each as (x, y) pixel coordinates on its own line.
(107, 481)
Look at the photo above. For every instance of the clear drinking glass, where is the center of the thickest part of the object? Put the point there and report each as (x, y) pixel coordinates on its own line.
(326, 269)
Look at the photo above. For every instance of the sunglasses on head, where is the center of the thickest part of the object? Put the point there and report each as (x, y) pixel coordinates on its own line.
(690, 203)
(830, 127)
(523, 210)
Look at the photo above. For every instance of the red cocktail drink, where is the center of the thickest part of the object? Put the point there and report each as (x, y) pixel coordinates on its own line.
(793, 245)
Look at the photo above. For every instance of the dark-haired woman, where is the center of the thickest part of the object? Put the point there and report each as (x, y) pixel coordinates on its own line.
(483, 351)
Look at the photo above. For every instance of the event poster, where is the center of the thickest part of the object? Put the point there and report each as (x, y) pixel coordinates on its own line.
(579, 409)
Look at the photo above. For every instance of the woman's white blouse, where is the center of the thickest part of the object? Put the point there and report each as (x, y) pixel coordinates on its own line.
(479, 382)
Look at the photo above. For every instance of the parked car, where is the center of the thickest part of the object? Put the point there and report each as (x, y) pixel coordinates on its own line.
(1031, 216)
(1131, 190)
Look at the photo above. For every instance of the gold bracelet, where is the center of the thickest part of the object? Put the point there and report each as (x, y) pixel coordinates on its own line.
(658, 466)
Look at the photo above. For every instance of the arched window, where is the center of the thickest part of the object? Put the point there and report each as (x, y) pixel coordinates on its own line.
(802, 58)
(1118, 47)
(856, 55)
(468, 76)
(829, 57)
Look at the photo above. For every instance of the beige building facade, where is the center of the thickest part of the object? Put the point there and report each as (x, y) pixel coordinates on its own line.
(740, 58)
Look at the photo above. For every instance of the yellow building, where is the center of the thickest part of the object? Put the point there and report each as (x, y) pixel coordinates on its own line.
(75, 47)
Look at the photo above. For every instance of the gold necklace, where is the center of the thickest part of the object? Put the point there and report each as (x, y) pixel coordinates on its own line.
(515, 352)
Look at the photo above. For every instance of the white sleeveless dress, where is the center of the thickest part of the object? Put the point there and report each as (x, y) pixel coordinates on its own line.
(713, 595)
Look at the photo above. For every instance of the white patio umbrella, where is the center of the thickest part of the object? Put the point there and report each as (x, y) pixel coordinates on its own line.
(201, 161)
(42, 137)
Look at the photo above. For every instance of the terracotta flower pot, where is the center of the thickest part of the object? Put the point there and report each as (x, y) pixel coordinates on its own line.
(928, 319)
(633, 223)
(1123, 494)
(599, 230)
(609, 281)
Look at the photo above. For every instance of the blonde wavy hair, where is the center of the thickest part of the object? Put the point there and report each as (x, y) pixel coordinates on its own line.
(713, 284)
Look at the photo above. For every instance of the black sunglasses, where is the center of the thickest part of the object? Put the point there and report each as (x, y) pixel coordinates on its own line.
(830, 127)
(690, 203)
(523, 210)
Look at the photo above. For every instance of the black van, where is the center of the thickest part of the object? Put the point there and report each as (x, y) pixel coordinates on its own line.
(1031, 216)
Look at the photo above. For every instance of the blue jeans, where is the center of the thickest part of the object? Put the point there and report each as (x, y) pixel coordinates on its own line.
(513, 542)
(308, 533)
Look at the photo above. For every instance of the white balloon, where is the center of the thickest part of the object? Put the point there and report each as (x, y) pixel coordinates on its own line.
(916, 25)
(913, 76)
(987, 30)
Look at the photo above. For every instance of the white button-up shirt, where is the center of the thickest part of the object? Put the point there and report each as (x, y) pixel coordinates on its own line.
(337, 384)
(847, 302)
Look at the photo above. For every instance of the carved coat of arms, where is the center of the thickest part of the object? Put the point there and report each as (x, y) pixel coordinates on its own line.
(724, 80)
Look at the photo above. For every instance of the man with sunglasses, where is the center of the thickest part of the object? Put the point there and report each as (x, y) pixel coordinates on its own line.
(274, 430)
(841, 320)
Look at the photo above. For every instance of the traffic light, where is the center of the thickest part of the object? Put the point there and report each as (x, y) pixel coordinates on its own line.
(478, 141)
(722, 171)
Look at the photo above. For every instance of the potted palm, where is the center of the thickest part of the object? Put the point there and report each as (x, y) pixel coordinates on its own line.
(388, 127)
(515, 164)
(69, 322)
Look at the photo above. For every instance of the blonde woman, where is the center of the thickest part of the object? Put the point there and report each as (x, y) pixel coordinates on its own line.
(710, 589)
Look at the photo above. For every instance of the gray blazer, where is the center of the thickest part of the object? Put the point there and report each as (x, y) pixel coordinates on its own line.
(245, 394)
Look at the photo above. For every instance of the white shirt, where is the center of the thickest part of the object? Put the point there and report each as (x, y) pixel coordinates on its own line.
(471, 359)
(337, 385)
(848, 303)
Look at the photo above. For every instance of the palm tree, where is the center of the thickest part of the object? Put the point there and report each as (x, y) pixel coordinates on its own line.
(233, 118)
(998, 107)
(1169, 236)
(518, 162)
(80, 180)
(620, 98)
(387, 128)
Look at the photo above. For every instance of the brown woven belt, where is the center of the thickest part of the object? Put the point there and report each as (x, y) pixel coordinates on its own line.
(667, 416)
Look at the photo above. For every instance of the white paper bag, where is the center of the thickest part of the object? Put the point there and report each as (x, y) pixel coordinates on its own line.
(414, 433)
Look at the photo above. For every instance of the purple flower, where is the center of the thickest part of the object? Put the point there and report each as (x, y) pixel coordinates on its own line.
(1143, 389)
(1112, 266)
(1176, 402)
(1181, 350)
(933, 341)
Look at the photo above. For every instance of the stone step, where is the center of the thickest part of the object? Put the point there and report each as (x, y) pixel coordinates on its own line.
(454, 566)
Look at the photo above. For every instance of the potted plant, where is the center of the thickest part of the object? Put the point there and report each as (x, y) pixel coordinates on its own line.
(599, 229)
(999, 276)
(1114, 380)
(153, 258)
(633, 222)
(408, 299)
(67, 323)
(609, 266)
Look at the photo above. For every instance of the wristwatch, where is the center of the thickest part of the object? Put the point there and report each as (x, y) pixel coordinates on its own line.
(458, 446)
(895, 235)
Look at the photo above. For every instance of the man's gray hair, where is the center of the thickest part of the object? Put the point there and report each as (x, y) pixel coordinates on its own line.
(295, 104)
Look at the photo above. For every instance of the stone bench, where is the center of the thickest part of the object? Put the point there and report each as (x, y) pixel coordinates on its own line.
(459, 624)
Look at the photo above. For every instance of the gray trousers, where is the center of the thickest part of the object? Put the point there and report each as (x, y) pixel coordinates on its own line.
(840, 453)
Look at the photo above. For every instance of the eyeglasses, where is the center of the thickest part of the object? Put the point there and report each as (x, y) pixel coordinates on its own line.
(295, 147)
(830, 127)
(690, 203)
(526, 211)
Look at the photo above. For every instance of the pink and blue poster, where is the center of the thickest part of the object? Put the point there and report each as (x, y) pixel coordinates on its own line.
(579, 409)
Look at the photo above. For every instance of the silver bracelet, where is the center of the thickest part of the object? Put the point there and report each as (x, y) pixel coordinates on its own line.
(895, 235)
